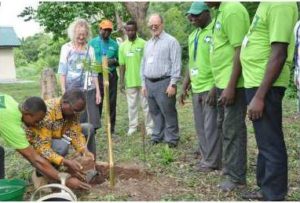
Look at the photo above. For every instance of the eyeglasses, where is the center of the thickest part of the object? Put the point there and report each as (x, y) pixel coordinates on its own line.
(154, 26)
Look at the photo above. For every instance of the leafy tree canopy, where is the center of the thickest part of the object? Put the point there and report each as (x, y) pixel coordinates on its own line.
(55, 17)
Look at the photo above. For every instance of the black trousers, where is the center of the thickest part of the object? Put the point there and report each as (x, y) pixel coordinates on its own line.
(271, 171)
(231, 124)
(2, 165)
(113, 90)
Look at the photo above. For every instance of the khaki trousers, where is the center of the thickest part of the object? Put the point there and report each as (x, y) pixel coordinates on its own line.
(134, 97)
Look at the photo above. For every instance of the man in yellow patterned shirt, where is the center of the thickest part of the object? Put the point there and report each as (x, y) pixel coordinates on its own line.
(30, 112)
(61, 127)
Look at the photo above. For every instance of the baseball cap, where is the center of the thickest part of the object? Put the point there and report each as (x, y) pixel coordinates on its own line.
(106, 24)
(197, 8)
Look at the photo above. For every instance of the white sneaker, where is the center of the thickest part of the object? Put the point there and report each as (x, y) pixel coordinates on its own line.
(131, 131)
(149, 132)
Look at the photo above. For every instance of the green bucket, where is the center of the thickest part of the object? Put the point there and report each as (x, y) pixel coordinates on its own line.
(12, 189)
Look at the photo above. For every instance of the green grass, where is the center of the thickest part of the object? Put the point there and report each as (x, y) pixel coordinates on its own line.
(175, 163)
(21, 90)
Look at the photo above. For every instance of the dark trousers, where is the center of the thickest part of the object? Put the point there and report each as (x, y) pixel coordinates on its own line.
(231, 123)
(89, 132)
(2, 166)
(113, 90)
(91, 113)
(271, 172)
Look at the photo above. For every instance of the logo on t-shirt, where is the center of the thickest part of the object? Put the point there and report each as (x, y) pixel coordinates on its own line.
(207, 39)
(2, 102)
(218, 25)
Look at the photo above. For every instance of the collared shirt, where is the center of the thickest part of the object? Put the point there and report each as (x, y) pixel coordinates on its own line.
(273, 22)
(199, 63)
(108, 48)
(162, 57)
(11, 123)
(231, 25)
(55, 126)
(130, 55)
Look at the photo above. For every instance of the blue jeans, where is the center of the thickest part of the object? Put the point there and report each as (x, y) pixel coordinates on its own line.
(271, 172)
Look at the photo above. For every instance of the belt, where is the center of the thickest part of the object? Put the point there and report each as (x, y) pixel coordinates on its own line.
(158, 79)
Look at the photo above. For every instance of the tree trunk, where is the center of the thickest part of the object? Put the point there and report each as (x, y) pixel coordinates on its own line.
(120, 24)
(138, 11)
(48, 84)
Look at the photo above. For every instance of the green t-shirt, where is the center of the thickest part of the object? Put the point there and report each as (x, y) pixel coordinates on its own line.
(108, 48)
(130, 55)
(231, 25)
(273, 22)
(199, 65)
(10, 123)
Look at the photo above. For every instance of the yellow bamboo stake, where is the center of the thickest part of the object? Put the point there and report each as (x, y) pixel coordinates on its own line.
(105, 73)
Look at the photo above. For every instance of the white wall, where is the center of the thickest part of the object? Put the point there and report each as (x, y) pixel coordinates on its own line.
(7, 64)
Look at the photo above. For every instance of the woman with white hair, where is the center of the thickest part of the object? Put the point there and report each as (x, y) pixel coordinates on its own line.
(76, 58)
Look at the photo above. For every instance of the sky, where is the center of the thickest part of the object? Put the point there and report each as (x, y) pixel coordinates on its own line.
(9, 11)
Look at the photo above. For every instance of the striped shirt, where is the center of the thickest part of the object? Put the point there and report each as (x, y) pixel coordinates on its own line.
(162, 58)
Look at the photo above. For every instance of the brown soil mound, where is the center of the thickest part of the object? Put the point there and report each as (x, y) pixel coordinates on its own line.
(133, 182)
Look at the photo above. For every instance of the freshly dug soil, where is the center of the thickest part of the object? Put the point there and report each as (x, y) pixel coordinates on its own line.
(133, 183)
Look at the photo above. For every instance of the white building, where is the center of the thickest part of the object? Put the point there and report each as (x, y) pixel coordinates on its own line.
(8, 40)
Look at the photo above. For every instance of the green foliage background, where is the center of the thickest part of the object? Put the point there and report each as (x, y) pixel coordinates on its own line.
(42, 50)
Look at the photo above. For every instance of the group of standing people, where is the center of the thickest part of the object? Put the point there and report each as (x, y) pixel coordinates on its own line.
(235, 69)
(148, 70)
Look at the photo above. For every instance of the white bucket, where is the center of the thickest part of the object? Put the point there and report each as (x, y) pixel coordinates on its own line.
(65, 195)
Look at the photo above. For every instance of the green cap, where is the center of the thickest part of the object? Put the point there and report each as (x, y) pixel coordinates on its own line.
(197, 8)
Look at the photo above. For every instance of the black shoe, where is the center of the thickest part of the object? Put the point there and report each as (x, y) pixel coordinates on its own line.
(154, 142)
(204, 169)
(172, 145)
(253, 195)
(196, 152)
(228, 185)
